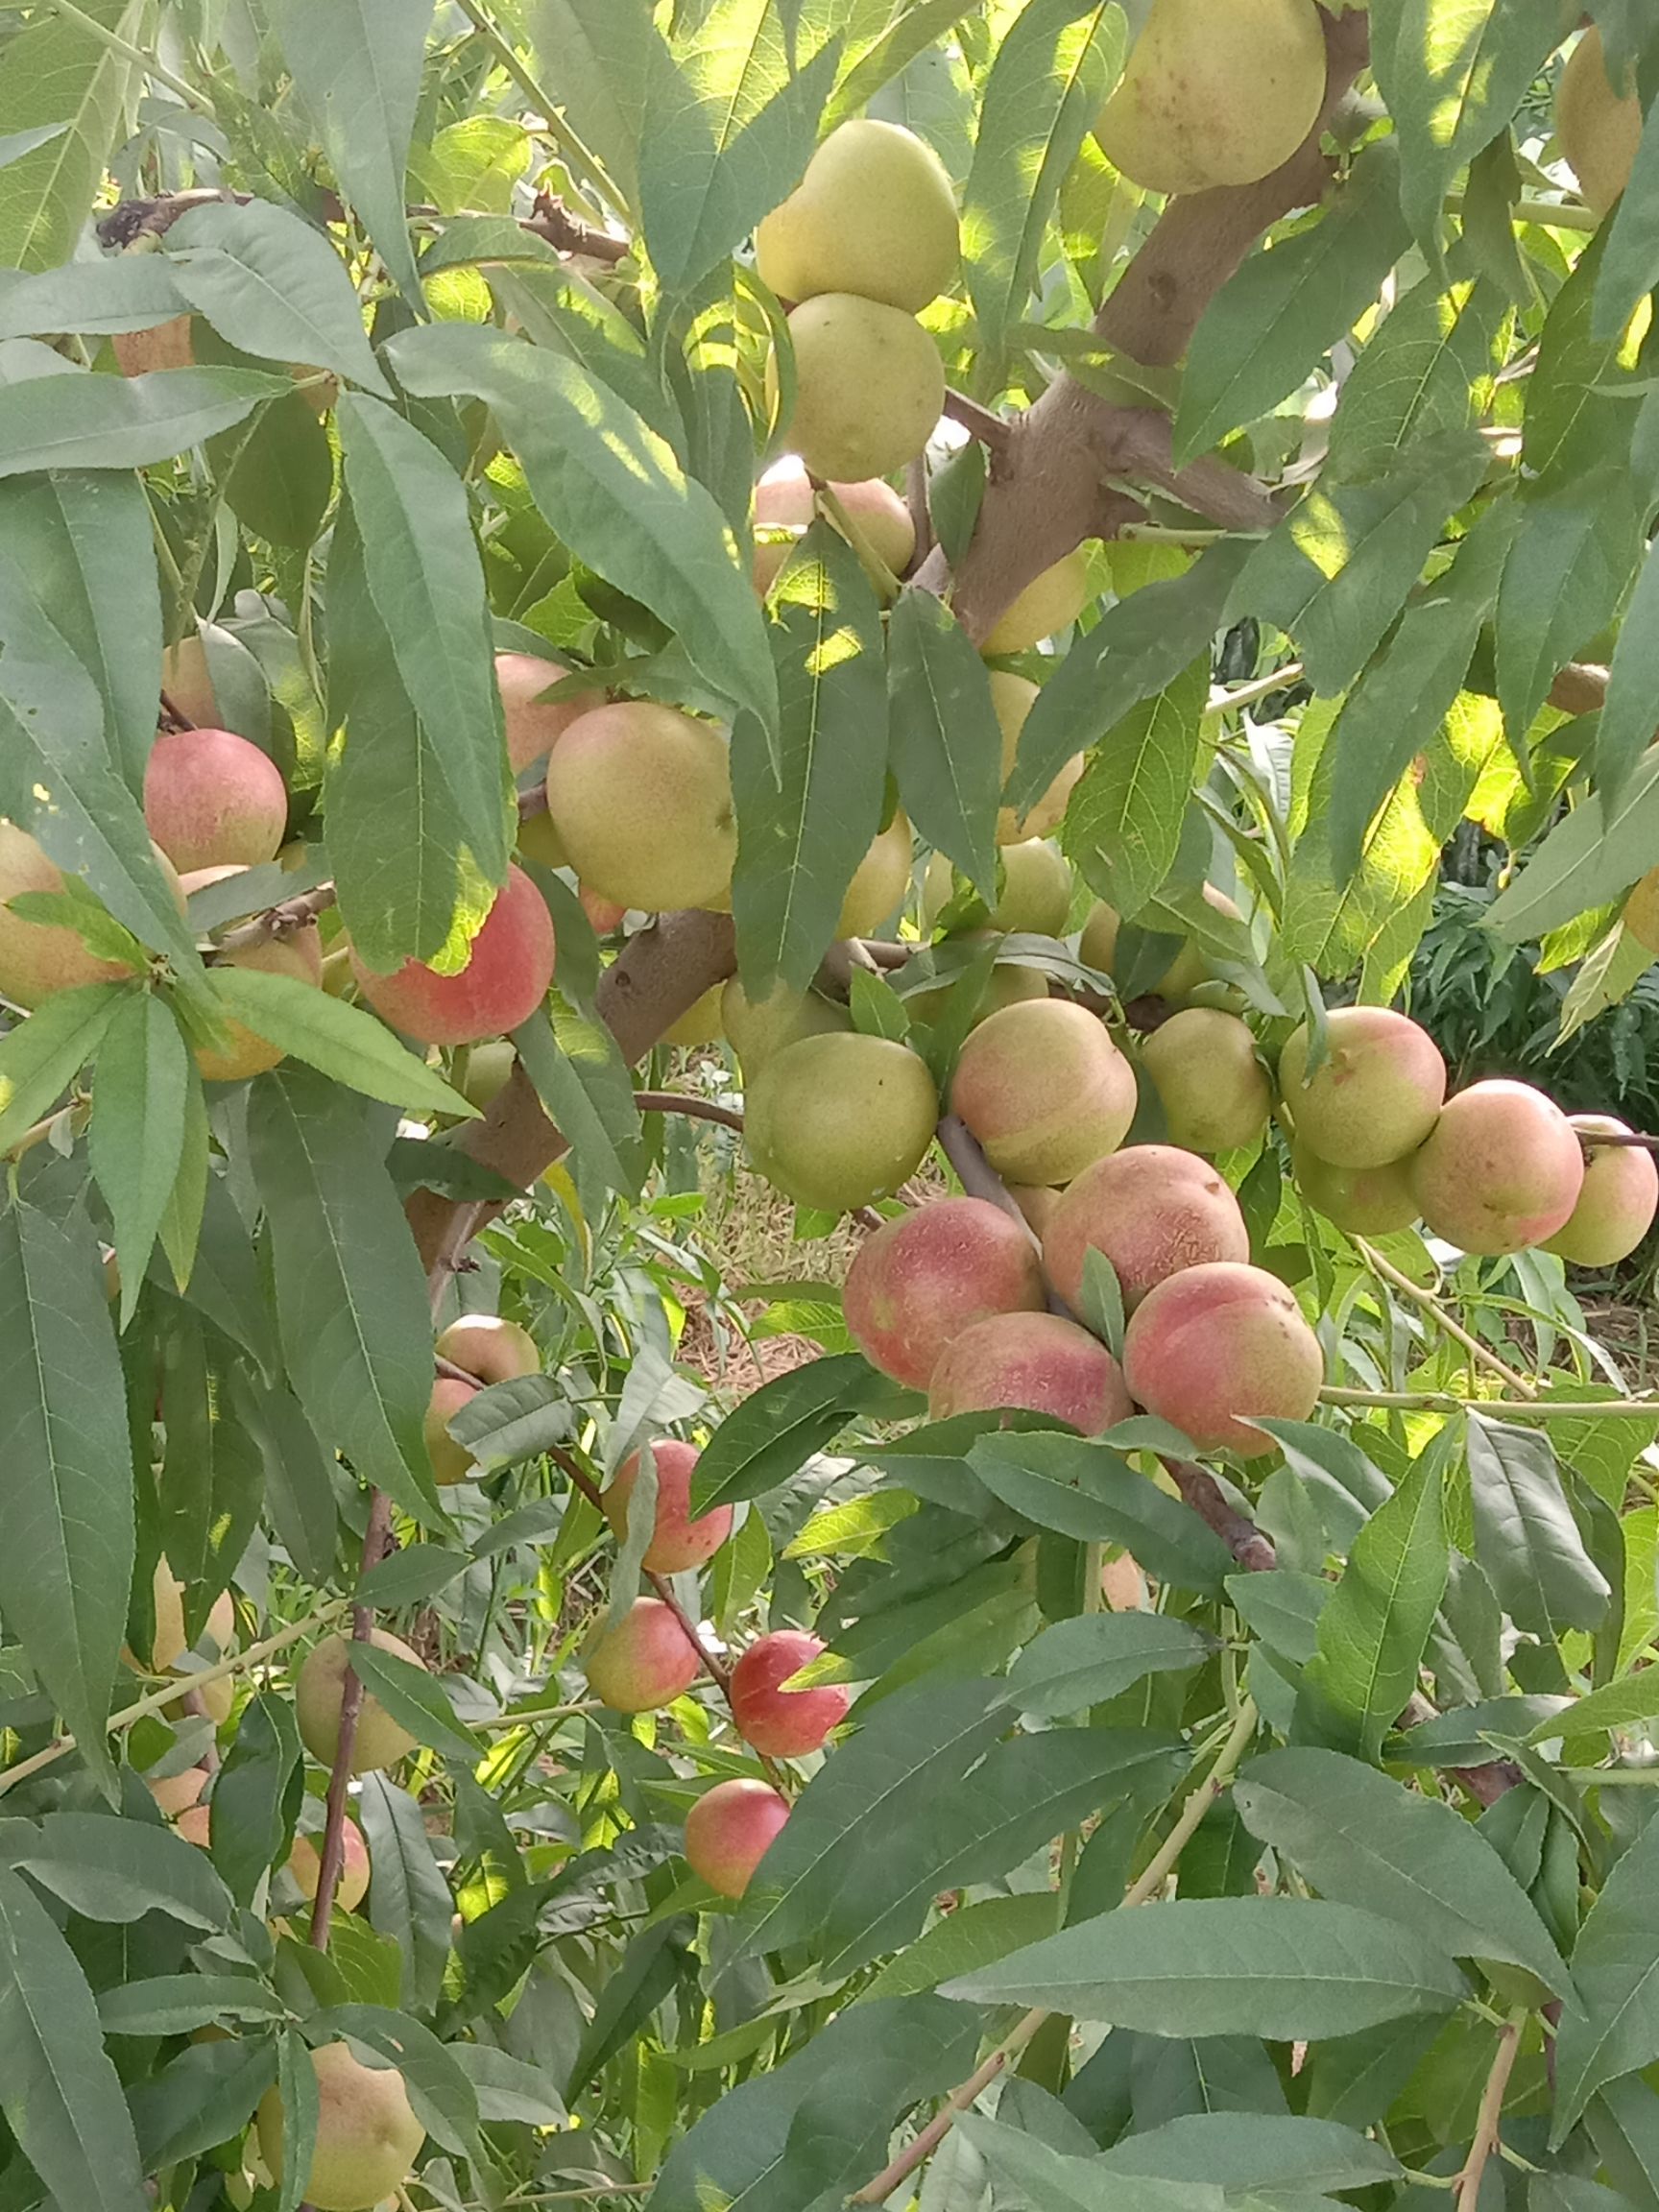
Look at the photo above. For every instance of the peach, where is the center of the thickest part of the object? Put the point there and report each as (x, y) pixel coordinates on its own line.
(452, 1462)
(1215, 1345)
(37, 958)
(641, 797)
(1034, 1363)
(924, 1277)
(187, 681)
(244, 1052)
(319, 1689)
(1098, 948)
(213, 800)
(678, 1540)
(699, 1025)
(1013, 698)
(1045, 1090)
(758, 1028)
(164, 345)
(367, 2136)
(1214, 1092)
(783, 501)
(1617, 1203)
(880, 882)
(1051, 601)
(1151, 1210)
(605, 914)
(1374, 1096)
(1037, 1202)
(838, 1119)
(874, 216)
(195, 1825)
(645, 1661)
(869, 387)
(534, 724)
(1365, 1201)
(730, 1829)
(1036, 894)
(495, 1349)
(176, 1793)
(305, 1865)
(784, 1723)
(1642, 912)
(1500, 1171)
(509, 967)
(1008, 984)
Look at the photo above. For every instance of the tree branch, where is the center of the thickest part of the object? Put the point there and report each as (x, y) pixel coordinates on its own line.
(332, 1864)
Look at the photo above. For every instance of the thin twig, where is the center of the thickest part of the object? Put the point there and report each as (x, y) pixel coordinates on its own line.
(284, 920)
(1467, 2188)
(1197, 1805)
(1444, 1321)
(694, 1109)
(333, 1859)
(1253, 1550)
(116, 44)
(172, 714)
(1517, 1409)
(975, 1173)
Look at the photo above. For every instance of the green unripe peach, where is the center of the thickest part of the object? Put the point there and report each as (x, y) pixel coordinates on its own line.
(489, 1069)
(1617, 1203)
(1599, 122)
(1365, 1201)
(1375, 1095)
(836, 1120)
(452, 1462)
(783, 501)
(869, 387)
(1036, 894)
(1049, 602)
(1013, 697)
(317, 1691)
(880, 882)
(367, 2137)
(874, 215)
(1008, 984)
(1642, 912)
(640, 798)
(495, 1349)
(758, 1028)
(1214, 1091)
(1098, 948)
(699, 1025)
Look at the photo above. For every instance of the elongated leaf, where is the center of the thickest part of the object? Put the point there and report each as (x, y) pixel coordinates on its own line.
(973, 1936)
(800, 838)
(409, 1899)
(1122, 824)
(338, 1039)
(1087, 1490)
(1593, 855)
(1373, 1631)
(356, 66)
(119, 1870)
(67, 1567)
(414, 1699)
(1613, 2028)
(616, 495)
(1575, 419)
(1336, 573)
(255, 1797)
(443, 2098)
(129, 292)
(733, 114)
(39, 1058)
(1566, 574)
(559, 309)
(1427, 369)
(1525, 1537)
(351, 1296)
(1630, 264)
(1624, 729)
(273, 286)
(1053, 2180)
(1360, 1838)
(63, 80)
(1138, 648)
(58, 2091)
(598, 54)
(1270, 323)
(296, 2085)
(1263, 2151)
(81, 421)
(580, 1077)
(1056, 63)
(1083, 1662)
(1618, 1705)
(176, 2004)
(774, 1432)
(947, 745)
(1279, 1967)
(138, 1134)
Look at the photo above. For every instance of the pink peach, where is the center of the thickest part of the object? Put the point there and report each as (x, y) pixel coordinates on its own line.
(1151, 1210)
(1034, 1363)
(678, 1540)
(784, 1723)
(213, 800)
(1211, 1347)
(508, 969)
(924, 1277)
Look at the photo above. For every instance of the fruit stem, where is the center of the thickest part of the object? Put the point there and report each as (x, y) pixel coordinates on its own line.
(375, 1544)
(694, 1109)
(1444, 1320)
(1226, 702)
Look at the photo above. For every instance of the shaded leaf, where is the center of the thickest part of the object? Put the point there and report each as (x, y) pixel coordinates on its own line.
(1083, 1662)
(138, 1134)
(1525, 1537)
(1613, 2028)
(344, 1042)
(272, 285)
(946, 744)
(778, 1428)
(1122, 823)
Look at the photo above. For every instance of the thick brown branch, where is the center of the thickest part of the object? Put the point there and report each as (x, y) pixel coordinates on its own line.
(285, 921)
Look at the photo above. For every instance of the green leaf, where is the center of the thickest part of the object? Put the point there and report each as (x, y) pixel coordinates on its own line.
(598, 53)
(1427, 369)
(409, 1899)
(200, 2100)
(1283, 311)
(255, 1797)
(506, 2088)
(181, 1226)
(1137, 648)
(1360, 1837)
(137, 1134)
(128, 292)
(409, 1576)
(340, 1041)
(81, 421)
(886, 48)
(1079, 1663)
(946, 744)
(416, 1700)
(42, 1056)
(350, 1294)
(1087, 1490)
(272, 286)
(1525, 1537)
(581, 1077)
(58, 2091)
(177, 2004)
(1255, 2151)
(62, 80)
(1122, 823)
(85, 543)
(1050, 2179)
(1284, 1968)
(277, 472)
(559, 309)
(119, 1870)
(734, 112)
(800, 837)
(1336, 570)
(1057, 61)
(1575, 416)
(879, 1785)
(1593, 855)
(1566, 574)
(356, 67)
(1613, 2028)
(66, 1568)
(973, 1936)
(1452, 73)
(443, 2098)
(1626, 1703)
(616, 495)
(1375, 1627)
(1630, 261)
(774, 1432)
(426, 581)
(1624, 729)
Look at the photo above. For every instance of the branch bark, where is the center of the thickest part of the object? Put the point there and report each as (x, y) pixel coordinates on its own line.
(332, 1863)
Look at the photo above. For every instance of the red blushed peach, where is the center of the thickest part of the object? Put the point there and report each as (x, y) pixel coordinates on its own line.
(305, 1865)
(505, 979)
(534, 724)
(605, 914)
(212, 800)
(1033, 1364)
(1617, 1202)
(924, 1278)
(495, 1349)
(1045, 1090)
(38, 958)
(728, 1831)
(1215, 1345)
(1501, 1172)
(1151, 1210)
(784, 1723)
(644, 1661)
(678, 1541)
(1374, 1096)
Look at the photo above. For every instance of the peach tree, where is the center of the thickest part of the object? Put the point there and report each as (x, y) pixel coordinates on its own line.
(909, 592)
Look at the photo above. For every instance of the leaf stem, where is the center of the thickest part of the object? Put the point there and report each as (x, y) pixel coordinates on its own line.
(116, 44)
(1519, 1409)
(1443, 1320)
(1197, 1805)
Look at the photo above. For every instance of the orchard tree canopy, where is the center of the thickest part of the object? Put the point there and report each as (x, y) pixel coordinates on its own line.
(811, 814)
